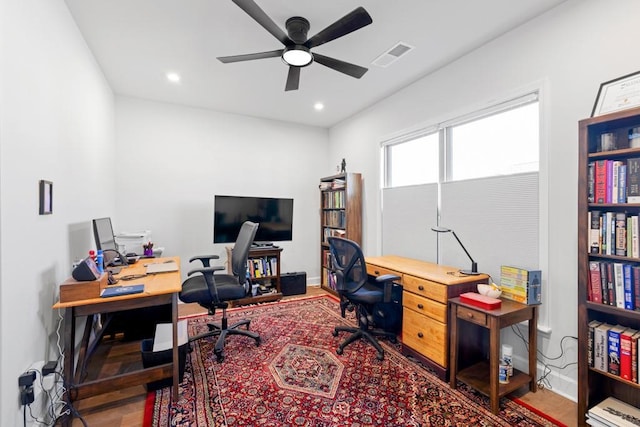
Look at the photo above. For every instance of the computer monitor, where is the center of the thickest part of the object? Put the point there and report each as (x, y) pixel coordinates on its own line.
(103, 234)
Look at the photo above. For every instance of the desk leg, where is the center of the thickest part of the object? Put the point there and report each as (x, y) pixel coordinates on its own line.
(494, 364)
(533, 349)
(176, 360)
(69, 338)
(453, 345)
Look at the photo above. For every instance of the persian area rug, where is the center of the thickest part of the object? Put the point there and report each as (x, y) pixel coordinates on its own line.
(295, 378)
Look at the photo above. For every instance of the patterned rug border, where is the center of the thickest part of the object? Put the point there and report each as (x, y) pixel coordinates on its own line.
(150, 401)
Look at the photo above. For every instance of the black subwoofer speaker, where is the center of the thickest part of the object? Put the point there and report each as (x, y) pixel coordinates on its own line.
(293, 283)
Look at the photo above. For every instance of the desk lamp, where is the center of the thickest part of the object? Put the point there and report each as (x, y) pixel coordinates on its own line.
(474, 265)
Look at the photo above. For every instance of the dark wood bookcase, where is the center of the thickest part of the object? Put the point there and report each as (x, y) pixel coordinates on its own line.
(340, 216)
(264, 263)
(595, 385)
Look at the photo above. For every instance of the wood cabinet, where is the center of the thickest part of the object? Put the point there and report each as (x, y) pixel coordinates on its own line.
(340, 216)
(595, 151)
(263, 266)
(427, 288)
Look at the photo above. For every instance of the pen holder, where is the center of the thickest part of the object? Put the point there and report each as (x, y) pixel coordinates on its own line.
(148, 249)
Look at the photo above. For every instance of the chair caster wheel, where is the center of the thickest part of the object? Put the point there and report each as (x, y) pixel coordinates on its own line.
(339, 351)
(380, 356)
(258, 342)
(335, 334)
(220, 357)
(393, 340)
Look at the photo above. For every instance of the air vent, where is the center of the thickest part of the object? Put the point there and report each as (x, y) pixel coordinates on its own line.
(392, 55)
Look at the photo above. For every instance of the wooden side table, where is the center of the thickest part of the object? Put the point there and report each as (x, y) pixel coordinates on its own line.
(483, 376)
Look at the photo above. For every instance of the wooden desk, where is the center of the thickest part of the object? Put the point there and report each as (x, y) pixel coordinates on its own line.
(483, 376)
(426, 289)
(159, 289)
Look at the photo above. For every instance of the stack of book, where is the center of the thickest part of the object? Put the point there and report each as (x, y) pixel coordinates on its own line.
(614, 349)
(614, 181)
(614, 283)
(519, 284)
(613, 233)
(613, 413)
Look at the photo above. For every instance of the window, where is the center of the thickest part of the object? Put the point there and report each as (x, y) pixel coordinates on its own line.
(413, 162)
(505, 143)
(500, 140)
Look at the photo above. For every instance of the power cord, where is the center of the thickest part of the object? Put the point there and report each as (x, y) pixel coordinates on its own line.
(543, 382)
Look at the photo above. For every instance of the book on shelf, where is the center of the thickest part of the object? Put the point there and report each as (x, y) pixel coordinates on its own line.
(613, 412)
(604, 281)
(600, 346)
(625, 353)
(635, 277)
(613, 343)
(600, 185)
(635, 247)
(595, 218)
(621, 234)
(619, 284)
(633, 180)
(635, 376)
(591, 179)
(628, 292)
(611, 290)
(595, 282)
(590, 344)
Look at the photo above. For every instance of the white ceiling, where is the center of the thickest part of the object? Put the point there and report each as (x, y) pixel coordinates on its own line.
(136, 42)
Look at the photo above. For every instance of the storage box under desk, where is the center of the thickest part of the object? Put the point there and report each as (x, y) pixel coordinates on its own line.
(73, 290)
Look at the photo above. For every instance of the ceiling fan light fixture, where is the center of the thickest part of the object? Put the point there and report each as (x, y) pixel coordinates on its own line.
(297, 56)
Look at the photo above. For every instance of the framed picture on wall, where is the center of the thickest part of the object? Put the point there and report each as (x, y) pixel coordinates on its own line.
(46, 197)
(617, 94)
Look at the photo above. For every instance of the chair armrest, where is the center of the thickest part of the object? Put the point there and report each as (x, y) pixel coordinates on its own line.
(204, 259)
(387, 280)
(204, 270)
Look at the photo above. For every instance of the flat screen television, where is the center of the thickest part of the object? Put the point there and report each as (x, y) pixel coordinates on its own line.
(275, 216)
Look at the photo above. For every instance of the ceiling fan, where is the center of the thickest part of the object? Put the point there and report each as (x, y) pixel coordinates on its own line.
(297, 50)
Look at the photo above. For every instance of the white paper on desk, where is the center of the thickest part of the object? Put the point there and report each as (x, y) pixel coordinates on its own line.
(163, 339)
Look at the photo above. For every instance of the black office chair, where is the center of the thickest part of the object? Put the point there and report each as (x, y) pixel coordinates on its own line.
(356, 288)
(212, 290)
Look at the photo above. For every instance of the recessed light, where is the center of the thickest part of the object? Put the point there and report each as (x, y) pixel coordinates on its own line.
(173, 77)
(319, 106)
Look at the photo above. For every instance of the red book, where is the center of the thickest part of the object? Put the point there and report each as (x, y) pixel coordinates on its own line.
(634, 357)
(601, 181)
(596, 282)
(625, 354)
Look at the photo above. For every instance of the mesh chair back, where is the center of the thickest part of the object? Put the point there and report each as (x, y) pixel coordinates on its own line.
(241, 248)
(348, 264)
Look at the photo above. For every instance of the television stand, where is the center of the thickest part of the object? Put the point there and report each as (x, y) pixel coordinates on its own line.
(264, 264)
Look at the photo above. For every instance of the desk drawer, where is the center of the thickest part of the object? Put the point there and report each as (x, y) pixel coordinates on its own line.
(433, 309)
(471, 316)
(377, 271)
(426, 336)
(426, 288)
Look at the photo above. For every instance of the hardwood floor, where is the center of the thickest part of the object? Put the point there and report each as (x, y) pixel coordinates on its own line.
(126, 407)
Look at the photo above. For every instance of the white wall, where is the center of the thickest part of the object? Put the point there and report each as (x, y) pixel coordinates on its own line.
(56, 123)
(172, 160)
(567, 52)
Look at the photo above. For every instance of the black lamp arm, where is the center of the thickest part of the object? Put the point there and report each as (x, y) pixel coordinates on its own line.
(474, 265)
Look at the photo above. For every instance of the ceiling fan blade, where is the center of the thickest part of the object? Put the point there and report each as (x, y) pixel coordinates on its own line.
(349, 23)
(254, 11)
(250, 56)
(347, 68)
(293, 79)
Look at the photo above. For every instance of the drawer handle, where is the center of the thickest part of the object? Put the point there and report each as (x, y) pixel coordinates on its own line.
(420, 335)
(376, 272)
(420, 306)
(421, 288)
(470, 315)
